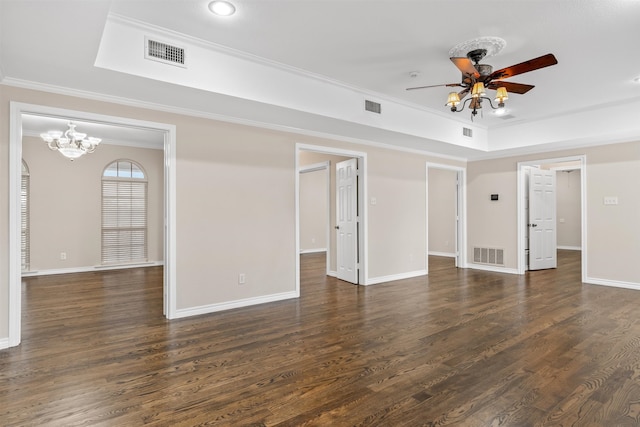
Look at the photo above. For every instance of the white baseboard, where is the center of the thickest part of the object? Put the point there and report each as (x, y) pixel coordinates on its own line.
(392, 277)
(312, 251)
(332, 274)
(493, 268)
(570, 248)
(89, 269)
(212, 308)
(4, 343)
(446, 254)
(612, 283)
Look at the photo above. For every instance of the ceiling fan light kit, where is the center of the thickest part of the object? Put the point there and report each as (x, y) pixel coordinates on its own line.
(476, 77)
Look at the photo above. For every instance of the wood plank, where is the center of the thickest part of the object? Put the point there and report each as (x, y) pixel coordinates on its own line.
(458, 347)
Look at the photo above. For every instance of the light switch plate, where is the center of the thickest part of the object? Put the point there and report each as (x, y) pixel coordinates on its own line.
(610, 200)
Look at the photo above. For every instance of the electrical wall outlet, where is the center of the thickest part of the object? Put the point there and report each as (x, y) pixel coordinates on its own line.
(63, 256)
(242, 279)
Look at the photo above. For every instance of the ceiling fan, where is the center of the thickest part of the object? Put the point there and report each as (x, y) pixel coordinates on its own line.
(477, 77)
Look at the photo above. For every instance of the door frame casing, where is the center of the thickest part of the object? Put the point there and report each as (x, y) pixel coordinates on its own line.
(461, 223)
(363, 238)
(522, 221)
(17, 109)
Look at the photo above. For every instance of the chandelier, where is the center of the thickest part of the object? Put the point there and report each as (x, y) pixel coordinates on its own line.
(71, 144)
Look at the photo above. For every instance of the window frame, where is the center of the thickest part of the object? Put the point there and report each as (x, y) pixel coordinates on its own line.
(124, 199)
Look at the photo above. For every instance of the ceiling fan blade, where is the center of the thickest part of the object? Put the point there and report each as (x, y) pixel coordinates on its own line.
(465, 66)
(511, 87)
(463, 93)
(524, 67)
(427, 87)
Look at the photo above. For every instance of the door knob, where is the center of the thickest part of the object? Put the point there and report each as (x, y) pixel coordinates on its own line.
(337, 227)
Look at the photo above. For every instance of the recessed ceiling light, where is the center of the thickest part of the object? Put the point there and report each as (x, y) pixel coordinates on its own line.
(636, 80)
(222, 8)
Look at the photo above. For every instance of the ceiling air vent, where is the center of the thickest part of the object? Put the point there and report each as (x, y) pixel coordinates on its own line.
(164, 52)
(467, 132)
(374, 107)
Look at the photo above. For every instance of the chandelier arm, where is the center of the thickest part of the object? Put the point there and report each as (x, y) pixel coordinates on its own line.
(464, 104)
(491, 103)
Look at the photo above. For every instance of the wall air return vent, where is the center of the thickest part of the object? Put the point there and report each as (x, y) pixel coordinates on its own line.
(374, 107)
(491, 256)
(467, 132)
(163, 52)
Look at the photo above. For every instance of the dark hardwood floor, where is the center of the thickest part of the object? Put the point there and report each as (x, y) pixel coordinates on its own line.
(459, 347)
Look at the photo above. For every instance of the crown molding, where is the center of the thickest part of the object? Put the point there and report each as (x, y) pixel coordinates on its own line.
(24, 84)
(487, 155)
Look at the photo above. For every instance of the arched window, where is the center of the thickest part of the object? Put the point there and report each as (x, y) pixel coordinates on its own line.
(24, 219)
(124, 213)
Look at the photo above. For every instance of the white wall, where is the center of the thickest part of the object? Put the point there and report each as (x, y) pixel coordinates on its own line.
(612, 232)
(65, 203)
(442, 211)
(314, 203)
(235, 208)
(568, 208)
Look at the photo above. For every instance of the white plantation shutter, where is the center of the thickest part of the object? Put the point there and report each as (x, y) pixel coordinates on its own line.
(24, 219)
(124, 213)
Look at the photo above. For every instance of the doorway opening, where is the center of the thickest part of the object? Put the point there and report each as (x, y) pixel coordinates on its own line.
(565, 217)
(315, 209)
(340, 261)
(20, 110)
(446, 213)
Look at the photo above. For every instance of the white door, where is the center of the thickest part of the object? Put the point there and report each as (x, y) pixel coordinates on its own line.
(347, 220)
(542, 219)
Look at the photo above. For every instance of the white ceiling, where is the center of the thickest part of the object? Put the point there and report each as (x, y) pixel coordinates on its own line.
(369, 46)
